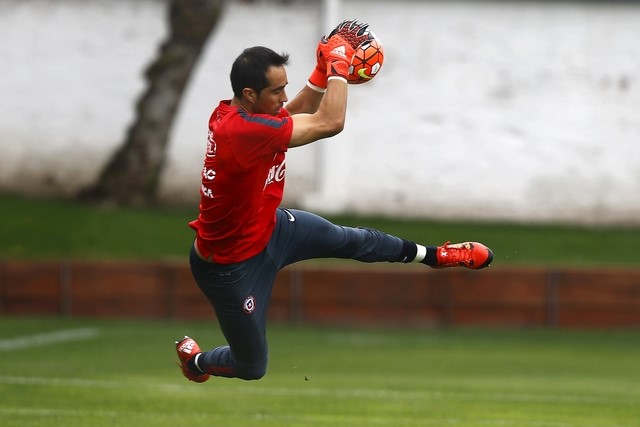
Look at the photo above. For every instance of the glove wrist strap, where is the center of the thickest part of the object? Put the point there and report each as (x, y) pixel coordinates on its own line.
(316, 88)
(317, 80)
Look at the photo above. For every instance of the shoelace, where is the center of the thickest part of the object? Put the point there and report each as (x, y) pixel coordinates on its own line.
(456, 254)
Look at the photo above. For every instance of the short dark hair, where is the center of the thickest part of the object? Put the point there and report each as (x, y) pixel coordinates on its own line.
(250, 68)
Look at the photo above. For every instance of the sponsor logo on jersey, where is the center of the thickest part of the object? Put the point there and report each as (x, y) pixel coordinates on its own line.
(206, 191)
(276, 173)
(208, 174)
(211, 145)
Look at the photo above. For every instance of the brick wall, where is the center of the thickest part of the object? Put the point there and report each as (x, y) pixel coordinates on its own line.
(323, 294)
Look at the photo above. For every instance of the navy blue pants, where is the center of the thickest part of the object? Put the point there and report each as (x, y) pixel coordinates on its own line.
(240, 292)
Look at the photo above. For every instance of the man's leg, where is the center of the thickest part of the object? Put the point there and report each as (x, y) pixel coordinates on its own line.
(301, 235)
(239, 294)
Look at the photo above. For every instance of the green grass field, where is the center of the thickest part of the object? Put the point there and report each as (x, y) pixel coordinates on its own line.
(88, 372)
(45, 229)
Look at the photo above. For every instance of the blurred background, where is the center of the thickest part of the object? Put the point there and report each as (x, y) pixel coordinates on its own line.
(507, 122)
(484, 110)
(513, 123)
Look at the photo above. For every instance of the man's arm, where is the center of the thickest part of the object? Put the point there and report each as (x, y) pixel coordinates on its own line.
(306, 101)
(333, 55)
(327, 121)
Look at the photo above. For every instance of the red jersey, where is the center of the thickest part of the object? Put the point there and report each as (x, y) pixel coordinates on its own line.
(242, 182)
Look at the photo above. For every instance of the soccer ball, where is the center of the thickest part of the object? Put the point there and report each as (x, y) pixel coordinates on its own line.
(367, 61)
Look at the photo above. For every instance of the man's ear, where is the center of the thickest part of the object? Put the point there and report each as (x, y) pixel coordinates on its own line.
(250, 94)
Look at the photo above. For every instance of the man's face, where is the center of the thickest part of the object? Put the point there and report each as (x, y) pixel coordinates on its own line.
(273, 97)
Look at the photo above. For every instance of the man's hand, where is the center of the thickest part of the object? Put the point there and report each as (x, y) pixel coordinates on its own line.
(338, 54)
(339, 47)
(352, 31)
(335, 51)
(318, 78)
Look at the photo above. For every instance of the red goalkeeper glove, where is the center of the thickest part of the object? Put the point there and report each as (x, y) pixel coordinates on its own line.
(339, 47)
(338, 54)
(318, 78)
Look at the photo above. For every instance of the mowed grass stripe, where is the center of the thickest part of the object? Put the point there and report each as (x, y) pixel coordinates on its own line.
(353, 393)
(297, 420)
(306, 420)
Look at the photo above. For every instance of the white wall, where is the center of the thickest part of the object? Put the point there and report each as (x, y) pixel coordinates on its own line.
(524, 111)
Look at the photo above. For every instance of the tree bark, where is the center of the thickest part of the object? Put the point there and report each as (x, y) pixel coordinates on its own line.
(131, 177)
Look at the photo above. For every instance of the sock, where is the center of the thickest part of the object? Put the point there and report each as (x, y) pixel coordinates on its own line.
(427, 255)
(192, 364)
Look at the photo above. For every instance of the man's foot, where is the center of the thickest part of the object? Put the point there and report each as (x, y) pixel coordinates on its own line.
(187, 348)
(472, 255)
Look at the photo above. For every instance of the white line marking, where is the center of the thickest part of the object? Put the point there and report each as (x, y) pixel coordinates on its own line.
(48, 338)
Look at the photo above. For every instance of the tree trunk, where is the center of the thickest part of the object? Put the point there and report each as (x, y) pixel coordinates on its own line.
(132, 175)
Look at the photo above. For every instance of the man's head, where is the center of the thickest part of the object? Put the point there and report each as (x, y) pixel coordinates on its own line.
(258, 79)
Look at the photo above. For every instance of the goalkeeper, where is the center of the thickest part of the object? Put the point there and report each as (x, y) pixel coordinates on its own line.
(243, 238)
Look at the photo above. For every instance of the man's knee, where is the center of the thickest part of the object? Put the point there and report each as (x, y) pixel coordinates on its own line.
(254, 371)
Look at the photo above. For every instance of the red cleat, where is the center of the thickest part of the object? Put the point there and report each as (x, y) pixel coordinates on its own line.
(187, 348)
(472, 255)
